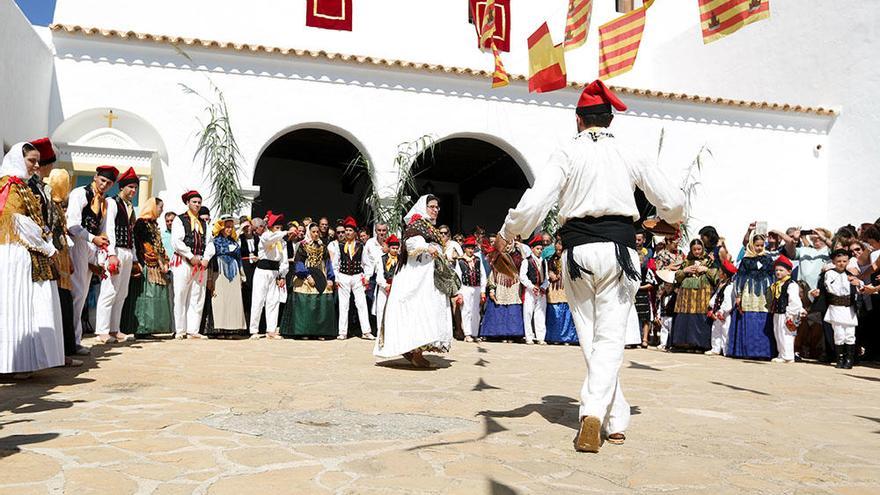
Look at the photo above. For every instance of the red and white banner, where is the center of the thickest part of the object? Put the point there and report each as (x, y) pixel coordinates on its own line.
(329, 14)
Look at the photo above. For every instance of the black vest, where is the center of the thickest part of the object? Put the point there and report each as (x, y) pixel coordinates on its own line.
(36, 186)
(388, 273)
(192, 239)
(470, 276)
(124, 225)
(91, 221)
(779, 304)
(532, 272)
(351, 265)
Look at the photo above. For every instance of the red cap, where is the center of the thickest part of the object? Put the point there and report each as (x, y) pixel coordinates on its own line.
(47, 153)
(273, 218)
(537, 240)
(108, 172)
(782, 260)
(469, 241)
(349, 222)
(393, 240)
(728, 267)
(190, 195)
(129, 177)
(597, 98)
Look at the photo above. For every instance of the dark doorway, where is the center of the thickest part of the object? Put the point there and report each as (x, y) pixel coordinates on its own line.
(476, 182)
(303, 173)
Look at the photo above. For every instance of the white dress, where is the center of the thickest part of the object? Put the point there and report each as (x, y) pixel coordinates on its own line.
(417, 315)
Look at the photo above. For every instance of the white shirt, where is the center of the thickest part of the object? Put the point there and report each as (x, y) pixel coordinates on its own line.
(109, 224)
(372, 257)
(838, 284)
(543, 276)
(594, 179)
(75, 204)
(180, 248)
(333, 251)
(272, 248)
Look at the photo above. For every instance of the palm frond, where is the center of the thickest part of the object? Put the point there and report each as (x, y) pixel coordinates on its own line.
(690, 185)
(551, 222)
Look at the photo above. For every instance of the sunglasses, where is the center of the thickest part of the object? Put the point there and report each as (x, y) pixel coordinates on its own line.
(444, 232)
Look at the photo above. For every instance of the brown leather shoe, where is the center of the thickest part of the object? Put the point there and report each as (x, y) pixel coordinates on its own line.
(588, 438)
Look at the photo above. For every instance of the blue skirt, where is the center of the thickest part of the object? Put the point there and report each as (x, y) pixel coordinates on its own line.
(560, 325)
(751, 336)
(502, 320)
(691, 331)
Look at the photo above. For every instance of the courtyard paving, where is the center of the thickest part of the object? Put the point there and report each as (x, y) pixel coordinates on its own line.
(308, 417)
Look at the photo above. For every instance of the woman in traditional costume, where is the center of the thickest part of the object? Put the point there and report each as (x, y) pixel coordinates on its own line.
(59, 185)
(503, 318)
(418, 315)
(147, 310)
(691, 328)
(311, 305)
(31, 335)
(560, 325)
(227, 308)
(751, 326)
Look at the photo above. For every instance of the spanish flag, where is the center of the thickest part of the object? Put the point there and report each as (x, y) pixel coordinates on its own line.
(718, 18)
(546, 62)
(619, 42)
(577, 24)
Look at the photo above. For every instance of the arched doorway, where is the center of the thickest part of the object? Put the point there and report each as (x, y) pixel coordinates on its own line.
(475, 180)
(304, 173)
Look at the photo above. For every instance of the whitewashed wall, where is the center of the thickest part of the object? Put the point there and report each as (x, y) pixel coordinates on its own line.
(26, 70)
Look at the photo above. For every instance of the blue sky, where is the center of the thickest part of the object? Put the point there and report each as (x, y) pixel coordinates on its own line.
(39, 12)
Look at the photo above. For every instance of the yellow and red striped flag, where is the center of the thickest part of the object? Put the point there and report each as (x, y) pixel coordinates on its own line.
(577, 24)
(619, 42)
(719, 18)
(546, 62)
(499, 77)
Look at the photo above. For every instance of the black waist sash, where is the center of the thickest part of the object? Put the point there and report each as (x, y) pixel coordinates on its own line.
(618, 229)
(268, 265)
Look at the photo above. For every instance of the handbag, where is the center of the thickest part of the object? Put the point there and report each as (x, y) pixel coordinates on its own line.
(445, 279)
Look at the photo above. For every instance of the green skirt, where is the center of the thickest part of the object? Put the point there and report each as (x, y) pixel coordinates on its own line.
(147, 309)
(309, 315)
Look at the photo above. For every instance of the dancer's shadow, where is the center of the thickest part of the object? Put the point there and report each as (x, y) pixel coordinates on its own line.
(740, 389)
(11, 444)
(556, 409)
(437, 362)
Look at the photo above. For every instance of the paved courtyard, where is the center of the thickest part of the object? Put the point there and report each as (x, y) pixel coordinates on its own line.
(309, 417)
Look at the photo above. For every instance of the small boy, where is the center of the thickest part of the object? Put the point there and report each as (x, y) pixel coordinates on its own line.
(473, 288)
(665, 305)
(720, 307)
(386, 276)
(535, 280)
(840, 295)
(786, 308)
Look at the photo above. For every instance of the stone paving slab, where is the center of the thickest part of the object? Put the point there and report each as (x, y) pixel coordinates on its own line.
(267, 417)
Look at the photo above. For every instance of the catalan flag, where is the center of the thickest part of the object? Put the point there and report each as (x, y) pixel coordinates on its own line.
(718, 18)
(619, 42)
(499, 77)
(546, 62)
(577, 24)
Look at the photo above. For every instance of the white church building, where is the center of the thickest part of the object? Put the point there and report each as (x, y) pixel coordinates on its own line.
(786, 106)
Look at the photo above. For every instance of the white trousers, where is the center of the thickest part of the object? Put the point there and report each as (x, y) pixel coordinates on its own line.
(347, 285)
(189, 298)
(80, 255)
(264, 290)
(600, 305)
(844, 334)
(784, 338)
(665, 327)
(720, 330)
(470, 310)
(114, 290)
(379, 305)
(534, 316)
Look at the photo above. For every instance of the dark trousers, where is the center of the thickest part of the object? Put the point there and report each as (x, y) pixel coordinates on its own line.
(67, 326)
(830, 349)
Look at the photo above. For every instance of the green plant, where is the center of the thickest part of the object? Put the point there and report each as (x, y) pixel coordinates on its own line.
(389, 205)
(551, 222)
(220, 155)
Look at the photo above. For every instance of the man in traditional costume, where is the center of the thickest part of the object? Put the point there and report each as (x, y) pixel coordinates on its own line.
(385, 276)
(593, 179)
(119, 226)
(86, 212)
(350, 279)
(269, 274)
(534, 277)
(193, 250)
(473, 288)
(373, 251)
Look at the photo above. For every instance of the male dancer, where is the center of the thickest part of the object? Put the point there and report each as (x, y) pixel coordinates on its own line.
(350, 279)
(119, 226)
(193, 249)
(269, 274)
(593, 179)
(86, 210)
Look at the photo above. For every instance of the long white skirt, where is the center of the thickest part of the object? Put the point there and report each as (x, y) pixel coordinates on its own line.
(31, 336)
(633, 329)
(416, 314)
